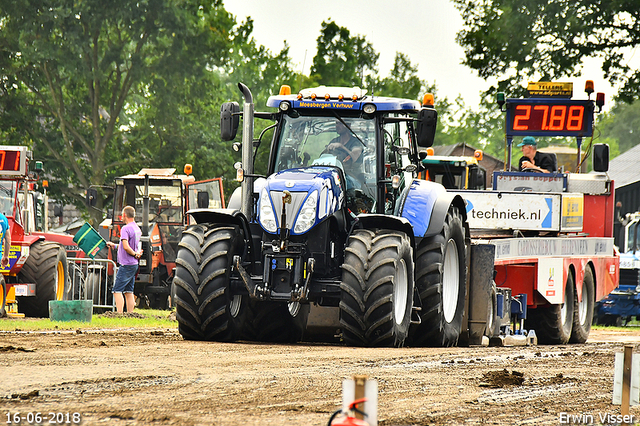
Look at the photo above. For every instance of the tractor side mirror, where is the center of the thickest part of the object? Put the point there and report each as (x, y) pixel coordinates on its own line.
(477, 178)
(426, 127)
(229, 120)
(601, 157)
(203, 200)
(91, 199)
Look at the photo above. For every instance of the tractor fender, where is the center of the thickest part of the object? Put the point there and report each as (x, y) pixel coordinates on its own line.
(378, 221)
(425, 205)
(225, 216)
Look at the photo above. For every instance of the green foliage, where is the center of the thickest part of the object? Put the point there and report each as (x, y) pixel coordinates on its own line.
(342, 59)
(518, 39)
(620, 127)
(78, 75)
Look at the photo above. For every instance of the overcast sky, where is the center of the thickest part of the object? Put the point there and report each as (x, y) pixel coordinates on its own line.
(425, 30)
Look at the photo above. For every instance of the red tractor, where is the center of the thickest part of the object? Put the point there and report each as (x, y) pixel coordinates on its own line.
(37, 270)
(161, 199)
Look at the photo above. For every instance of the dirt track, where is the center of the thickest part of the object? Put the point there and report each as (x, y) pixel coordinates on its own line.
(127, 377)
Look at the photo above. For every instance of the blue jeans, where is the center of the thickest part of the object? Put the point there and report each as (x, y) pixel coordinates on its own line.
(125, 279)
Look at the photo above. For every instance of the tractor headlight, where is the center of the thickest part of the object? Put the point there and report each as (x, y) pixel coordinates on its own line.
(266, 215)
(307, 216)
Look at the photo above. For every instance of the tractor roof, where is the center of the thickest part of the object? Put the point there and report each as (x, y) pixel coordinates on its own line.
(342, 98)
(159, 174)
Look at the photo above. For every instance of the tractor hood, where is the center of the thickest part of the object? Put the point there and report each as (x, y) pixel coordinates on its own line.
(316, 193)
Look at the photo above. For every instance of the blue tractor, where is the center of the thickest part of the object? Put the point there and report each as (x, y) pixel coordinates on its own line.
(339, 239)
(623, 303)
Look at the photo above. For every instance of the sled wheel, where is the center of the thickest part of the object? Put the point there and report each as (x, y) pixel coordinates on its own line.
(583, 310)
(553, 323)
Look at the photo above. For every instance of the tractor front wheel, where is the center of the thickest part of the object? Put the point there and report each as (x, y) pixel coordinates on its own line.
(377, 288)
(205, 308)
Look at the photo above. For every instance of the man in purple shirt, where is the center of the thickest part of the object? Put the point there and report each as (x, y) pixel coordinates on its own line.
(129, 251)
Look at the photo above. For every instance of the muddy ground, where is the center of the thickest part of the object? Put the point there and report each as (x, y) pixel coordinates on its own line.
(129, 377)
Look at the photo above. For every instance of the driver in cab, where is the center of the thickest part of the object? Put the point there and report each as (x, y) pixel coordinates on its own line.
(532, 160)
(346, 147)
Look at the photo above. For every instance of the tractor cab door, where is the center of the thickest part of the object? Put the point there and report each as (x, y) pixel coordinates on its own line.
(204, 194)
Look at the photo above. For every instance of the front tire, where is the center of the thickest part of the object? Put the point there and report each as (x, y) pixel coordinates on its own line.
(553, 324)
(377, 288)
(46, 266)
(441, 280)
(205, 309)
(583, 310)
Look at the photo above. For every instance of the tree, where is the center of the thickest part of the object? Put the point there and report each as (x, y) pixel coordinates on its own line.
(342, 60)
(518, 39)
(75, 77)
(403, 80)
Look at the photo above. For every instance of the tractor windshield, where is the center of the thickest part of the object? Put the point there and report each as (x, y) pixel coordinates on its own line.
(7, 197)
(165, 201)
(347, 143)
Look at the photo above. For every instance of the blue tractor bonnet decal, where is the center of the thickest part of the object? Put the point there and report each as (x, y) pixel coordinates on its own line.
(316, 193)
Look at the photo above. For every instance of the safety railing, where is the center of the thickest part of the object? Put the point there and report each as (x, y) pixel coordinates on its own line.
(90, 280)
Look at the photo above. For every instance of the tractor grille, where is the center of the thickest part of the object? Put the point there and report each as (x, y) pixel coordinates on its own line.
(629, 277)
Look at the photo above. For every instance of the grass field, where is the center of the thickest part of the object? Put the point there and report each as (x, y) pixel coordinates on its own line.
(141, 318)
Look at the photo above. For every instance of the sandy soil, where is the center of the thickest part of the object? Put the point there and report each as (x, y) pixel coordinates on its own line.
(129, 377)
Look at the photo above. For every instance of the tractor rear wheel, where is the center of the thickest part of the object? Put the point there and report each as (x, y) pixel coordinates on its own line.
(377, 288)
(46, 266)
(441, 282)
(583, 310)
(205, 309)
(553, 323)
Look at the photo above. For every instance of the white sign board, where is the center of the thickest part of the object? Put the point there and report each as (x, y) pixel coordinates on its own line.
(502, 210)
(635, 379)
(550, 279)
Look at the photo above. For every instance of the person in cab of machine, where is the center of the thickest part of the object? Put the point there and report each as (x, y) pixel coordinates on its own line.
(5, 240)
(129, 252)
(346, 147)
(532, 160)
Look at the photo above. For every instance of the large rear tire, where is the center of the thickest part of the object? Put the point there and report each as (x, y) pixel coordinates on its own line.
(583, 310)
(553, 323)
(205, 309)
(377, 288)
(46, 266)
(441, 282)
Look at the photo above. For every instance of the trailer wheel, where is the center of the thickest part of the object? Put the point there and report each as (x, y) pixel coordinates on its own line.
(441, 283)
(205, 310)
(377, 288)
(493, 320)
(583, 310)
(553, 323)
(46, 266)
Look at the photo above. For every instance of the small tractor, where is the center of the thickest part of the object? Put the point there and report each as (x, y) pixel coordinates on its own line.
(160, 199)
(454, 172)
(334, 241)
(37, 270)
